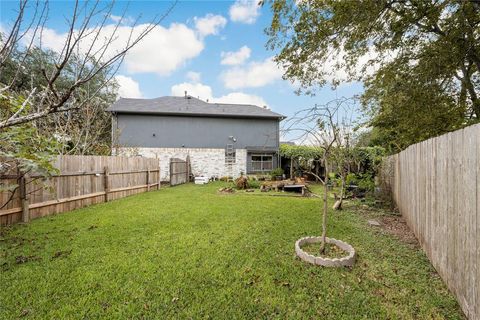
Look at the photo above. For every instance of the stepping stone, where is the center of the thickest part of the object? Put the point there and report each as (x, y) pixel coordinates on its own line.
(374, 223)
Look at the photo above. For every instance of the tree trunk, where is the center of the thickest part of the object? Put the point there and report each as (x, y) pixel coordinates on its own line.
(339, 202)
(291, 168)
(325, 209)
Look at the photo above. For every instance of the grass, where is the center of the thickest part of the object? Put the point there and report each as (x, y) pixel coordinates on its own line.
(188, 252)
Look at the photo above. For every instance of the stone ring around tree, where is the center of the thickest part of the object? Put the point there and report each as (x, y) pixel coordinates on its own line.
(346, 261)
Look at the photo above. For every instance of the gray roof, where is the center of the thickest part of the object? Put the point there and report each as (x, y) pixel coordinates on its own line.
(190, 106)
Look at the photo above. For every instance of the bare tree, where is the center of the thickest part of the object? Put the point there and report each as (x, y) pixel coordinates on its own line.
(89, 46)
(320, 126)
(342, 155)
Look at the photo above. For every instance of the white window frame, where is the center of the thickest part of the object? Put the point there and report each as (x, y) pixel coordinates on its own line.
(262, 162)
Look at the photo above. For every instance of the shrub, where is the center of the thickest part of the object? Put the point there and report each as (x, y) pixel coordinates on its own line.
(276, 172)
(362, 181)
(351, 179)
(253, 184)
(366, 182)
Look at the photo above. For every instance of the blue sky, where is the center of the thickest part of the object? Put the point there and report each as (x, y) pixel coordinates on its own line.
(214, 49)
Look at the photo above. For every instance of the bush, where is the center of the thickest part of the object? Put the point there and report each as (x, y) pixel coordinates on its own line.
(366, 182)
(276, 172)
(253, 184)
(362, 181)
(351, 179)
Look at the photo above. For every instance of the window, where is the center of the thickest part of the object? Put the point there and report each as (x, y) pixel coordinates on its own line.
(262, 162)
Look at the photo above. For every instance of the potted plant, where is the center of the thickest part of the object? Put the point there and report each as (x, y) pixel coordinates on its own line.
(277, 174)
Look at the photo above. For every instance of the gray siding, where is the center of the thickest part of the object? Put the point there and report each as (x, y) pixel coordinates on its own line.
(195, 132)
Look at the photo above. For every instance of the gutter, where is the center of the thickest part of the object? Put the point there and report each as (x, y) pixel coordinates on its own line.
(200, 115)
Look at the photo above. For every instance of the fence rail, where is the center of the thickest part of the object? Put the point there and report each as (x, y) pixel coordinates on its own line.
(436, 186)
(81, 181)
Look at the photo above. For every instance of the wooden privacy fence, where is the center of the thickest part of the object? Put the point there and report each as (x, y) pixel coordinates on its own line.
(81, 181)
(179, 171)
(436, 186)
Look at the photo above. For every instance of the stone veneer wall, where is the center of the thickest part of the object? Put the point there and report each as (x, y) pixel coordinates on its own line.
(204, 162)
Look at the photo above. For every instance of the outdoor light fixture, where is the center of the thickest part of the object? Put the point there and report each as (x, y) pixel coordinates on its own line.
(154, 134)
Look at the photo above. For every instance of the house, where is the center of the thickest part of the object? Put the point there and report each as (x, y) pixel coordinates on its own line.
(221, 139)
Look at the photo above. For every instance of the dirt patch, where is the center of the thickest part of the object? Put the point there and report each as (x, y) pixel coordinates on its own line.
(397, 226)
(61, 254)
(331, 250)
(390, 221)
(24, 259)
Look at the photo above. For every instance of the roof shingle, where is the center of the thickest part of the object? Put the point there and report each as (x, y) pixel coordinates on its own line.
(190, 106)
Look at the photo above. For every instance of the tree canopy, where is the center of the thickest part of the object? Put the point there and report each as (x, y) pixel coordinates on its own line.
(419, 60)
(84, 128)
(300, 151)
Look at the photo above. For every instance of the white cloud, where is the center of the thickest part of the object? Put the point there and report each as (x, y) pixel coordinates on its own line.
(241, 98)
(128, 88)
(51, 39)
(209, 25)
(205, 93)
(255, 74)
(196, 90)
(115, 18)
(123, 20)
(162, 51)
(334, 70)
(235, 57)
(245, 11)
(193, 76)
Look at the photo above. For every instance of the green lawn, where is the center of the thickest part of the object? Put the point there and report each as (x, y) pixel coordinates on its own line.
(187, 252)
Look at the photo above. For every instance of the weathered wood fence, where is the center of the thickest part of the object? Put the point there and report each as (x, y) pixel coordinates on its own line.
(81, 181)
(436, 186)
(179, 171)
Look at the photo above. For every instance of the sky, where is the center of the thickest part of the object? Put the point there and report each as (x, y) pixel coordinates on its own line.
(214, 50)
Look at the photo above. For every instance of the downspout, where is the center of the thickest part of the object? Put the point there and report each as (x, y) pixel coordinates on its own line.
(279, 161)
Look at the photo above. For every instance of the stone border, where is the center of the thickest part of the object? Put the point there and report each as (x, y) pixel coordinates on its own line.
(347, 261)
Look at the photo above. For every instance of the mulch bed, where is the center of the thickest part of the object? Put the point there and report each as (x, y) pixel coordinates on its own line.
(397, 226)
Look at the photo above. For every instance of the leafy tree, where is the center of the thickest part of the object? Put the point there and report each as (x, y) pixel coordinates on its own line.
(23, 150)
(300, 151)
(419, 59)
(305, 156)
(83, 129)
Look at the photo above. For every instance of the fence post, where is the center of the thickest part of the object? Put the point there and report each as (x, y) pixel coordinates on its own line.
(106, 182)
(158, 185)
(148, 180)
(171, 170)
(24, 199)
(187, 180)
